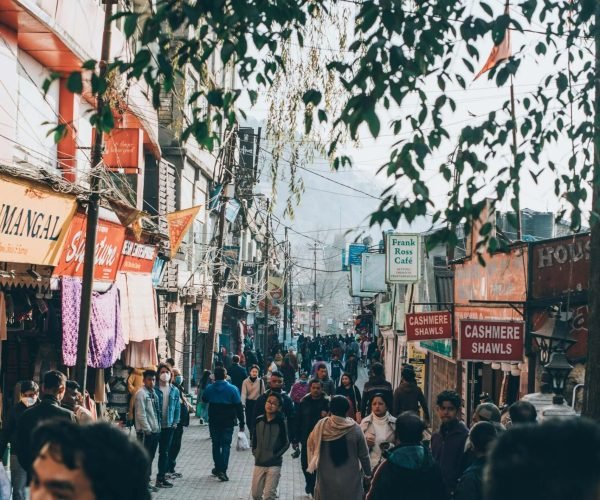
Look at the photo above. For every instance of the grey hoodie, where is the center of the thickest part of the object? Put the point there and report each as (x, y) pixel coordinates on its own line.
(270, 441)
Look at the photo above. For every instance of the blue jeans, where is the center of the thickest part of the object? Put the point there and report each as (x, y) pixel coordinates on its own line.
(221, 445)
(164, 445)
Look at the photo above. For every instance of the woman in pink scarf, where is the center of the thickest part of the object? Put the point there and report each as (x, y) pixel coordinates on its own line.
(337, 451)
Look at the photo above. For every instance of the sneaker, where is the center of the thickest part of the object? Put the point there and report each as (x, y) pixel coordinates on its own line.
(175, 475)
(201, 421)
(152, 488)
(222, 476)
(214, 472)
(164, 484)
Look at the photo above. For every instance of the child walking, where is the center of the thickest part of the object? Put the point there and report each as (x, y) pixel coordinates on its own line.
(269, 442)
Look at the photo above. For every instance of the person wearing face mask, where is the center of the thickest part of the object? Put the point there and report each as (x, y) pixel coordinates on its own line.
(184, 421)
(170, 409)
(53, 391)
(29, 391)
(252, 388)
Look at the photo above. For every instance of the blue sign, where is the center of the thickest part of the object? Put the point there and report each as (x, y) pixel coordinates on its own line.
(354, 253)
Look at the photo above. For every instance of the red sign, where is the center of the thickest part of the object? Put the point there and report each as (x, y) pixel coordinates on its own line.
(109, 244)
(428, 326)
(123, 149)
(491, 340)
(137, 257)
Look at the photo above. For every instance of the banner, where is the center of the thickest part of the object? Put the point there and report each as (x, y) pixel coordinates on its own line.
(137, 257)
(491, 340)
(232, 209)
(402, 254)
(428, 326)
(34, 222)
(231, 255)
(109, 245)
(179, 223)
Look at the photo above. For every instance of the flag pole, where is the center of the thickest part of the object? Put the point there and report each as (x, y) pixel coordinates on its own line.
(514, 154)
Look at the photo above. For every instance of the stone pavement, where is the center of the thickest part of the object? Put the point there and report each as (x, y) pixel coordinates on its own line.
(195, 463)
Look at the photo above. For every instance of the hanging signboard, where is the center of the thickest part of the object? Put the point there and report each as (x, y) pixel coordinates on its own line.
(179, 222)
(402, 255)
(249, 269)
(428, 326)
(373, 273)
(137, 257)
(123, 150)
(355, 251)
(109, 245)
(355, 275)
(34, 222)
(491, 340)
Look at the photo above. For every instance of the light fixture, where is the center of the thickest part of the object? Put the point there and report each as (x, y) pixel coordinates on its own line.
(558, 368)
(34, 274)
(558, 339)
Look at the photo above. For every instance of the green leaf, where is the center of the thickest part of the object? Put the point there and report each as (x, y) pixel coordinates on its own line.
(540, 48)
(75, 83)
(322, 115)
(130, 24)
(312, 97)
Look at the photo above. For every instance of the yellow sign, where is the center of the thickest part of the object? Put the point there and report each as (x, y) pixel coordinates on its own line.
(34, 222)
(179, 223)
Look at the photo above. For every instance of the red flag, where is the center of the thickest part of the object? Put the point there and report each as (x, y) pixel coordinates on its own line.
(498, 53)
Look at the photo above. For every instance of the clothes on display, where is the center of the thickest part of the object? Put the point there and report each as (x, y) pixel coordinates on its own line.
(138, 308)
(3, 318)
(106, 340)
(141, 353)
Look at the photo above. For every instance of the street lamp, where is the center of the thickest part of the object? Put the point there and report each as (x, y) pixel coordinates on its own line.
(558, 368)
(558, 339)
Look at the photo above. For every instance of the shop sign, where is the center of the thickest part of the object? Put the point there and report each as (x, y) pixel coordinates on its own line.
(137, 257)
(355, 251)
(428, 326)
(204, 316)
(417, 359)
(109, 245)
(441, 347)
(491, 340)
(402, 258)
(249, 269)
(384, 314)
(123, 149)
(561, 266)
(34, 222)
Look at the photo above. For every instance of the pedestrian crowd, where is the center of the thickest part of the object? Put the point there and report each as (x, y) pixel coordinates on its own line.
(352, 444)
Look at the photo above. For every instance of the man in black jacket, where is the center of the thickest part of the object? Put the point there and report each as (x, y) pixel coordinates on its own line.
(237, 373)
(288, 410)
(53, 390)
(377, 384)
(313, 407)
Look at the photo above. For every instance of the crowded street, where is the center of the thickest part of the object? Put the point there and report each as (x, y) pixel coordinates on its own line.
(299, 250)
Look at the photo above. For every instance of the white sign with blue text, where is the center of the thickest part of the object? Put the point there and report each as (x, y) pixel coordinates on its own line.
(402, 257)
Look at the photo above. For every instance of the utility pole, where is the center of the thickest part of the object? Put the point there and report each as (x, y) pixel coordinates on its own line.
(315, 306)
(591, 401)
(267, 263)
(83, 339)
(216, 274)
(285, 283)
(290, 289)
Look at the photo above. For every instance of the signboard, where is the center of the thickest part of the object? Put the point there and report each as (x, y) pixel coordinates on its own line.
(246, 172)
(384, 314)
(373, 273)
(491, 340)
(428, 326)
(204, 316)
(137, 257)
(231, 255)
(416, 358)
(34, 222)
(355, 251)
(123, 149)
(402, 255)
(441, 347)
(355, 277)
(109, 245)
(249, 269)
(560, 266)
